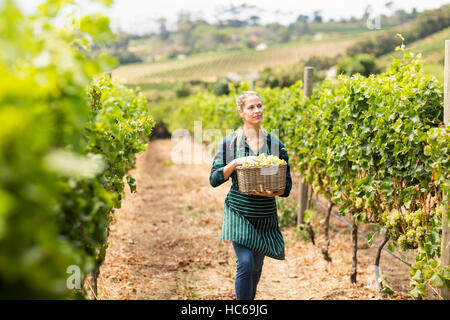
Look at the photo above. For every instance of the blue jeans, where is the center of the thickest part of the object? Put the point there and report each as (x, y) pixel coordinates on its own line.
(249, 266)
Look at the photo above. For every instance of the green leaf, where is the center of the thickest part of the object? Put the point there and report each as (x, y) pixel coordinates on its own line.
(388, 290)
(132, 183)
(437, 280)
(415, 293)
(51, 8)
(418, 276)
(392, 246)
(370, 238)
(446, 273)
(106, 3)
(97, 26)
(308, 215)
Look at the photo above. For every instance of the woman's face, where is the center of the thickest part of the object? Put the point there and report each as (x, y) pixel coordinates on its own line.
(253, 110)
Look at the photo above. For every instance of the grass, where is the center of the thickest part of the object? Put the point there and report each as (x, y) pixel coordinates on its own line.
(435, 69)
(287, 216)
(189, 288)
(165, 109)
(163, 93)
(145, 86)
(429, 46)
(201, 266)
(337, 27)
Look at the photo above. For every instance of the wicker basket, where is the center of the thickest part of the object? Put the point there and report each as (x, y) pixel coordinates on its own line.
(272, 177)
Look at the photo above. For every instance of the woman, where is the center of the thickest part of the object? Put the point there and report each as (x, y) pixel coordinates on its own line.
(250, 222)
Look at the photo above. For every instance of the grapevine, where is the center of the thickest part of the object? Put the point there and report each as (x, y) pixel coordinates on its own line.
(371, 145)
(68, 139)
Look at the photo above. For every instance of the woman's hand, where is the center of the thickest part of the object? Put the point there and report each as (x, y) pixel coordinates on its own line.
(229, 168)
(266, 193)
(242, 160)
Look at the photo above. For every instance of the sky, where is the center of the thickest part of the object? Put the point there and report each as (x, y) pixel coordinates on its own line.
(139, 16)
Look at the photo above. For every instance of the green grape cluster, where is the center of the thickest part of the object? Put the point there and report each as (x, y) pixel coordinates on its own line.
(264, 159)
(409, 227)
(359, 202)
(392, 219)
(412, 239)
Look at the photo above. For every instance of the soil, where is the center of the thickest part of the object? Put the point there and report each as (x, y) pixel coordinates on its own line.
(164, 244)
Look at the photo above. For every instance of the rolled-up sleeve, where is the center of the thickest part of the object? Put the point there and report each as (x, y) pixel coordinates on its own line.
(285, 157)
(216, 177)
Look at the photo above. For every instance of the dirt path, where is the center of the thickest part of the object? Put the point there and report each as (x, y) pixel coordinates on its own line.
(165, 244)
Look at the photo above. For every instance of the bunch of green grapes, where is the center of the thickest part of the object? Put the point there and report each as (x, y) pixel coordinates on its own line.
(409, 227)
(265, 160)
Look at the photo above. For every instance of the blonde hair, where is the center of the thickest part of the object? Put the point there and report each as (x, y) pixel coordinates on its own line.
(240, 103)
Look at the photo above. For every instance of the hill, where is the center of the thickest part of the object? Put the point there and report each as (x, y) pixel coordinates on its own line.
(432, 49)
(210, 66)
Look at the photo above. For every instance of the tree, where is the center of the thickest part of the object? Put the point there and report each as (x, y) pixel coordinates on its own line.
(238, 16)
(363, 63)
(163, 33)
(402, 15)
(255, 20)
(122, 41)
(389, 5)
(185, 26)
(317, 16)
(302, 18)
(367, 11)
(235, 23)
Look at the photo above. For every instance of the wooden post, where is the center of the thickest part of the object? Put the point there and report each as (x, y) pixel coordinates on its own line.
(445, 240)
(308, 81)
(303, 199)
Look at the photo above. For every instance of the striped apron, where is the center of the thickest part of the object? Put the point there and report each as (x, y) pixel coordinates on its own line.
(251, 220)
